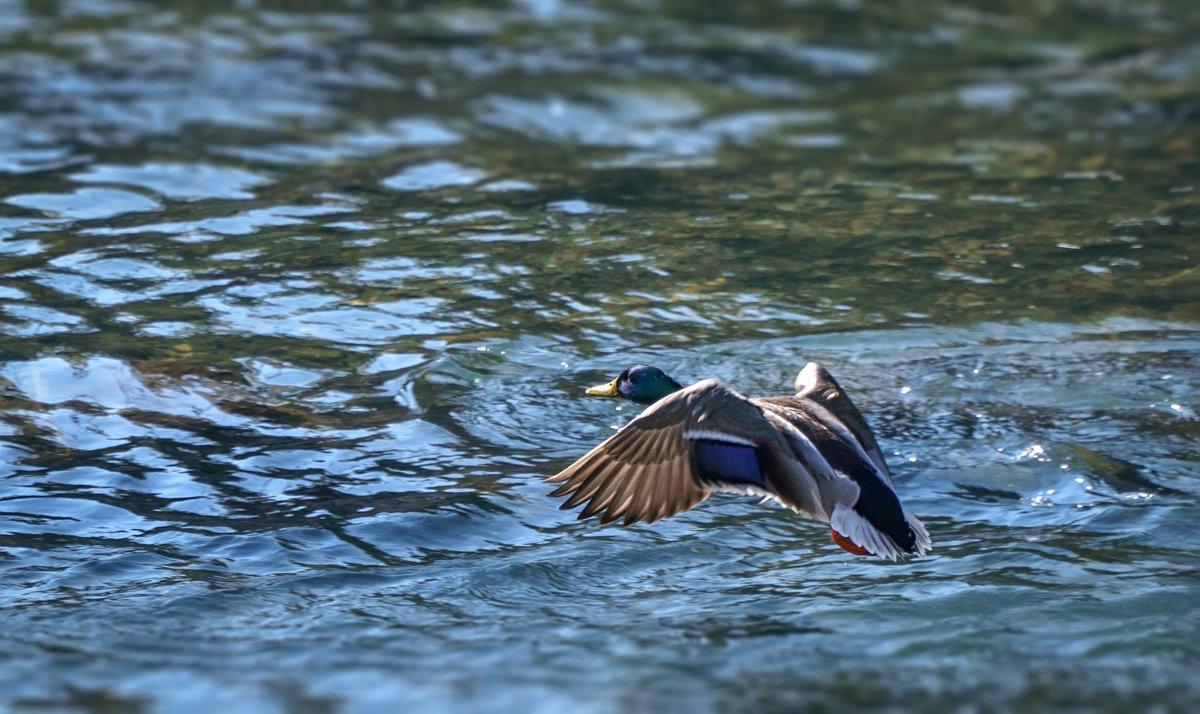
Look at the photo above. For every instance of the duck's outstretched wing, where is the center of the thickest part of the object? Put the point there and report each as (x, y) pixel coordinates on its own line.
(702, 438)
(816, 383)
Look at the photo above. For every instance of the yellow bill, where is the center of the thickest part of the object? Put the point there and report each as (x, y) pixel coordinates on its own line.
(604, 390)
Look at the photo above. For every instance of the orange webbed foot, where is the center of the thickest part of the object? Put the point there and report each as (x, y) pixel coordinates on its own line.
(848, 545)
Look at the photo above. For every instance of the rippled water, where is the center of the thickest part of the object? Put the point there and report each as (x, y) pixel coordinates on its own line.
(297, 301)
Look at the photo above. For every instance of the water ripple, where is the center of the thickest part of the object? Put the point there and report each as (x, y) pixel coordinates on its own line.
(297, 307)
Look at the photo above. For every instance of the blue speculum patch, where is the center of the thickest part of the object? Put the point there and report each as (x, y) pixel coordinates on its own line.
(733, 463)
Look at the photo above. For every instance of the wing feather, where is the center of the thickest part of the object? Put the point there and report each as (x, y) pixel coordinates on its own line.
(816, 383)
(647, 470)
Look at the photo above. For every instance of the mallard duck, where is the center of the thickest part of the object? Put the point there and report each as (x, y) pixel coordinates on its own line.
(812, 452)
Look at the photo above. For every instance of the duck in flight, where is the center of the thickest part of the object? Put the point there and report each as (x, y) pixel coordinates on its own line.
(811, 451)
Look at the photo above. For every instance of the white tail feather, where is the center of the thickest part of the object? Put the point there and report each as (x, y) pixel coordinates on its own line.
(849, 523)
(924, 543)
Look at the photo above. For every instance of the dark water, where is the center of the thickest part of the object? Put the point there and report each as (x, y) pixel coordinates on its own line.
(297, 301)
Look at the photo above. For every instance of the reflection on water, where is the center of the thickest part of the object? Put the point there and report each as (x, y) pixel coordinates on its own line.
(297, 303)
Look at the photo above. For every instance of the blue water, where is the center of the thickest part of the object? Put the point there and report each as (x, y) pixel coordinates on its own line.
(298, 302)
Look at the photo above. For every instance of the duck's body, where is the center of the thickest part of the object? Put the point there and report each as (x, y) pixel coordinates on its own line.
(811, 451)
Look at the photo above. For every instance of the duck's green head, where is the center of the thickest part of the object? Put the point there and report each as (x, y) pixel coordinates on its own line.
(639, 383)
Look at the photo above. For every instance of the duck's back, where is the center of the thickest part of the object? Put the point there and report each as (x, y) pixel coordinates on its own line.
(845, 452)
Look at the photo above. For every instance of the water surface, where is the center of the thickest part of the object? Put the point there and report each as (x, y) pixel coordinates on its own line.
(297, 302)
